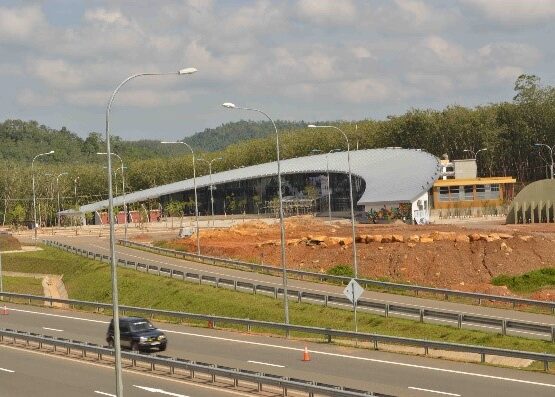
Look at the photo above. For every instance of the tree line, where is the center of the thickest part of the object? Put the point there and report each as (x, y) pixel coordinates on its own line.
(508, 130)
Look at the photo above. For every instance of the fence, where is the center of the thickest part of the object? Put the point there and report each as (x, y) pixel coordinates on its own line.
(194, 368)
(503, 325)
(327, 333)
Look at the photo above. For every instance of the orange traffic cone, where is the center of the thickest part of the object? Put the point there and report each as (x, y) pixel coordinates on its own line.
(306, 357)
(4, 310)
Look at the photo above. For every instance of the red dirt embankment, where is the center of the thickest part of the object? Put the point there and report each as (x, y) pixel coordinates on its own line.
(449, 256)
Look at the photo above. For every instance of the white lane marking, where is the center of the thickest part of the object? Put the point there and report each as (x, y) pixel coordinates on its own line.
(7, 370)
(53, 329)
(261, 363)
(60, 316)
(435, 391)
(104, 394)
(450, 371)
(159, 391)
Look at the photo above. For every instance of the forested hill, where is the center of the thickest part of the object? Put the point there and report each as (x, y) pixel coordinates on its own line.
(21, 140)
(212, 139)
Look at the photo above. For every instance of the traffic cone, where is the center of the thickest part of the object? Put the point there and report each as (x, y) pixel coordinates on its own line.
(306, 356)
(4, 311)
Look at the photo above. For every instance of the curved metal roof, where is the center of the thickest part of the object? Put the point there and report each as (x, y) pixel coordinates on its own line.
(391, 175)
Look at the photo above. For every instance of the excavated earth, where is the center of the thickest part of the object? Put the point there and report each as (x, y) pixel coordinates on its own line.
(462, 257)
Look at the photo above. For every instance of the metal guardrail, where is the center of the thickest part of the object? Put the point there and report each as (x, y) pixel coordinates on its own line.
(327, 333)
(446, 293)
(386, 309)
(212, 370)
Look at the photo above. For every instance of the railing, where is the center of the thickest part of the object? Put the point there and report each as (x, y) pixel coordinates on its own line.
(366, 283)
(327, 333)
(194, 368)
(386, 309)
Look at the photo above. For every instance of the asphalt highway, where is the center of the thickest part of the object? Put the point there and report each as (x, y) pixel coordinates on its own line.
(101, 245)
(395, 374)
(29, 373)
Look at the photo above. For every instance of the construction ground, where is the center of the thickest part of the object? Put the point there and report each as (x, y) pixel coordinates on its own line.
(464, 255)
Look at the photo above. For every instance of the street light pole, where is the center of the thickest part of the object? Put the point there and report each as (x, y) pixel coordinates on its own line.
(229, 105)
(75, 189)
(355, 263)
(113, 260)
(34, 195)
(211, 185)
(550, 151)
(58, 191)
(329, 184)
(194, 187)
(122, 188)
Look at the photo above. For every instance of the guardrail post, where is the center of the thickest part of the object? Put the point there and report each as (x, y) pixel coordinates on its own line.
(482, 358)
(459, 321)
(421, 315)
(546, 366)
(386, 310)
(325, 301)
(426, 350)
(375, 344)
(504, 327)
(299, 296)
(275, 293)
(553, 334)
(235, 286)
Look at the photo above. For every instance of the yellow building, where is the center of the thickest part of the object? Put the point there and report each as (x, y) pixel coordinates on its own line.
(459, 192)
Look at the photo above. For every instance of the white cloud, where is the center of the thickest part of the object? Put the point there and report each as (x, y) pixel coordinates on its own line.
(512, 12)
(103, 15)
(20, 24)
(368, 90)
(361, 53)
(57, 73)
(444, 51)
(28, 97)
(336, 12)
(506, 52)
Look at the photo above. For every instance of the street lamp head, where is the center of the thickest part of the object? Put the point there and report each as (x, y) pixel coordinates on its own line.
(538, 144)
(187, 71)
(466, 150)
(168, 142)
(312, 126)
(229, 105)
(101, 153)
(50, 152)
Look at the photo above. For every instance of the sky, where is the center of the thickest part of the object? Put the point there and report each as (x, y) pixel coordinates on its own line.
(60, 60)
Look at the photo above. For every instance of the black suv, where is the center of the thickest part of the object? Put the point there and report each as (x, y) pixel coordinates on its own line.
(137, 333)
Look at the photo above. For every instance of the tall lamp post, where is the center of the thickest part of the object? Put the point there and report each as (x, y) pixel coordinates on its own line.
(115, 308)
(58, 191)
(229, 105)
(122, 189)
(550, 151)
(211, 185)
(355, 263)
(34, 195)
(475, 154)
(75, 189)
(194, 187)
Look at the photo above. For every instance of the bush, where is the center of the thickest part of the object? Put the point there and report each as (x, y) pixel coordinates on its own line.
(341, 270)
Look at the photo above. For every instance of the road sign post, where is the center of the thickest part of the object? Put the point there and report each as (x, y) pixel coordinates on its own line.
(353, 292)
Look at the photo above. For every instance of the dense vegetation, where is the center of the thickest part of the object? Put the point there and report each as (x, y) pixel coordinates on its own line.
(509, 130)
(528, 282)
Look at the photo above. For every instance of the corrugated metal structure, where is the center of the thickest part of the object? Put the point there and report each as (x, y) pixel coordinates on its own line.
(391, 175)
(534, 204)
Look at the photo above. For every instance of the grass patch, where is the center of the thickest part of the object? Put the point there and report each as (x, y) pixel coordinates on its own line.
(90, 280)
(23, 285)
(528, 282)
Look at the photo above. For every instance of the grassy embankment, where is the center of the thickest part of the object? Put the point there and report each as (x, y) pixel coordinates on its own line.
(89, 280)
(528, 282)
(23, 285)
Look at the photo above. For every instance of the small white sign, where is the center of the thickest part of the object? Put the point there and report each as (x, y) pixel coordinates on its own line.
(353, 291)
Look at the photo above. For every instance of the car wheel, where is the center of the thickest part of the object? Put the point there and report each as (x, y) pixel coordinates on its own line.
(111, 343)
(163, 348)
(135, 347)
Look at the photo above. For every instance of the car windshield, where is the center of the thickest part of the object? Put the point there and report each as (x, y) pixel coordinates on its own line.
(141, 326)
